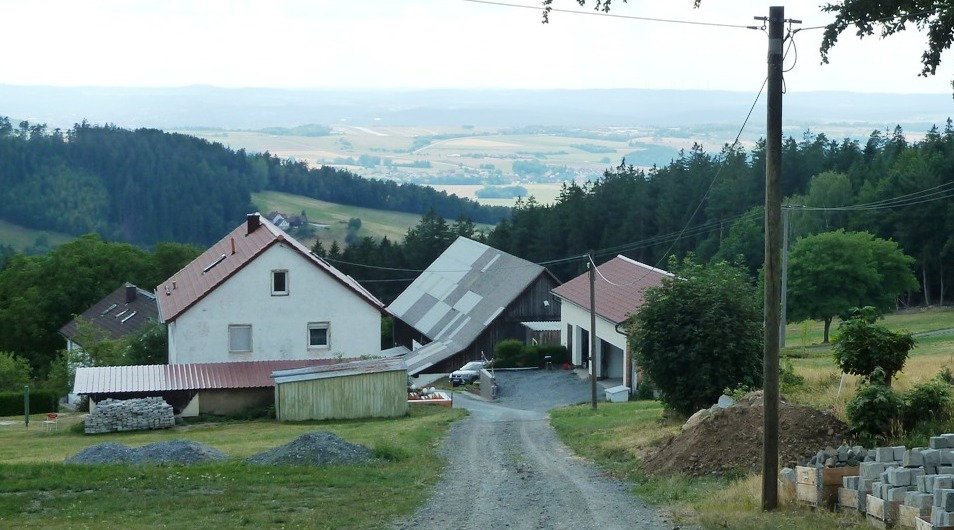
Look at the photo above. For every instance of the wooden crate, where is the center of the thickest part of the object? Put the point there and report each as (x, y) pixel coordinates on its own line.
(851, 499)
(819, 486)
(882, 510)
(907, 514)
(923, 522)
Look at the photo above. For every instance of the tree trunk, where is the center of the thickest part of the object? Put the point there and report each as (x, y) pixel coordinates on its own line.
(940, 277)
(924, 278)
(827, 327)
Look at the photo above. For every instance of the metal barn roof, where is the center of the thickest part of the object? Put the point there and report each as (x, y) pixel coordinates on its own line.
(461, 293)
(168, 377)
(338, 370)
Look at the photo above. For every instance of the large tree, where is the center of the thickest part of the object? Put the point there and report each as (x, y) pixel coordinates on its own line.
(894, 16)
(699, 333)
(831, 272)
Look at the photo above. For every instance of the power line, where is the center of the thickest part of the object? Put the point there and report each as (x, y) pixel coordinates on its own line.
(613, 15)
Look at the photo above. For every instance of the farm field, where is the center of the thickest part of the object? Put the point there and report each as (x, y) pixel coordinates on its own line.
(544, 193)
(472, 154)
(21, 238)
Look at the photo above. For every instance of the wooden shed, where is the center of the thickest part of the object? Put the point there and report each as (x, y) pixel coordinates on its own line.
(359, 389)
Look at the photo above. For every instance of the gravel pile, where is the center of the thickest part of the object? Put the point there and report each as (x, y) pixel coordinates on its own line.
(172, 452)
(317, 448)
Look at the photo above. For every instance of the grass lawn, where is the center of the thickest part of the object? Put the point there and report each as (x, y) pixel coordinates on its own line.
(39, 490)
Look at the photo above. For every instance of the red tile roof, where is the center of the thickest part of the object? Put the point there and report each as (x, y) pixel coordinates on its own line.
(620, 283)
(233, 252)
(168, 377)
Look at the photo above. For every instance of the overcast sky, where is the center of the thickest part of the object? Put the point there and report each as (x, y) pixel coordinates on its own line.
(436, 44)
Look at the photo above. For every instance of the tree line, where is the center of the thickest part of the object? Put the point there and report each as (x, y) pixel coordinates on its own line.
(146, 186)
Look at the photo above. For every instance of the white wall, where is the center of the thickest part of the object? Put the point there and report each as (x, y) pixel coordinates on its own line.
(279, 323)
(579, 319)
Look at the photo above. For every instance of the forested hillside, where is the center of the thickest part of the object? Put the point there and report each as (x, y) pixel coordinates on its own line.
(710, 205)
(147, 186)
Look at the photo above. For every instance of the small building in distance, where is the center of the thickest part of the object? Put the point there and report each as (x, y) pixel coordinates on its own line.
(121, 313)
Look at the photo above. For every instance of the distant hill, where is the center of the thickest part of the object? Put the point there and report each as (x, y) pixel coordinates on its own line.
(146, 186)
(259, 108)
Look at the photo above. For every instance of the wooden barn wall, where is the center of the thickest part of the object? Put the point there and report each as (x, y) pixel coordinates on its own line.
(375, 395)
(405, 334)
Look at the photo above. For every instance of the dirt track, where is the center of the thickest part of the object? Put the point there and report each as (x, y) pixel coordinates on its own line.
(508, 469)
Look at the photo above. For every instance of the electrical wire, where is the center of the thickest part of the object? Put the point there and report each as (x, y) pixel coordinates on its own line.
(612, 15)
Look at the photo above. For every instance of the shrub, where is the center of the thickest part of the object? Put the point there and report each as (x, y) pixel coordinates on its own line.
(14, 371)
(863, 346)
(927, 403)
(507, 353)
(788, 379)
(875, 412)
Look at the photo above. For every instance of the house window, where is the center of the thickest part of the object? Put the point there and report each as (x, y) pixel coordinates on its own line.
(319, 335)
(279, 283)
(240, 338)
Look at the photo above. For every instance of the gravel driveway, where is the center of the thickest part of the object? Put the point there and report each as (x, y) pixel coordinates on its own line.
(508, 469)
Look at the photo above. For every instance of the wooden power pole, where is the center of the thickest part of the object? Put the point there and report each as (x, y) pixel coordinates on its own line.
(592, 266)
(773, 240)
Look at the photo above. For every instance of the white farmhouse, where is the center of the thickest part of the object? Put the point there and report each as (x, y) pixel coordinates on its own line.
(259, 294)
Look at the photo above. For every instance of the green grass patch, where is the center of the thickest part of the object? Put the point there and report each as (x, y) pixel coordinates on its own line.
(38, 489)
(22, 238)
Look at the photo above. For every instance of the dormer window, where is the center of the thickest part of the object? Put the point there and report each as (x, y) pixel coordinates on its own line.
(279, 283)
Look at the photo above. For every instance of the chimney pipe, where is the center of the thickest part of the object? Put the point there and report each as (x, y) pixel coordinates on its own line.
(130, 293)
(253, 222)
(233, 245)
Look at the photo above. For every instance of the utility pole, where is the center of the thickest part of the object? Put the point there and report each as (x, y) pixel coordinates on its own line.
(773, 214)
(592, 266)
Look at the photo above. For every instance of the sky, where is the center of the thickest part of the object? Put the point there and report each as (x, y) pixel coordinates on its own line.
(419, 44)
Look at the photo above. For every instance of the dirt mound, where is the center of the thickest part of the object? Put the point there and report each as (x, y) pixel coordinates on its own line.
(317, 448)
(171, 452)
(731, 440)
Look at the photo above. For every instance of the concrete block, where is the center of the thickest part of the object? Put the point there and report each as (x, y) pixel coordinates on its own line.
(871, 470)
(913, 458)
(896, 494)
(932, 457)
(945, 470)
(938, 442)
(947, 500)
(884, 454)
(899, 476)
(939, 494)
(919, 500)
(850, 482)
(899, 452)
(947, 456)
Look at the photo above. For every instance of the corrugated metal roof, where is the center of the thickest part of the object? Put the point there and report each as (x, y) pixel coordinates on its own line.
(339, 370)
(168, 377)
(223, 259)
(620, 285)
(542, 325)
(116, 317)
(462, 292)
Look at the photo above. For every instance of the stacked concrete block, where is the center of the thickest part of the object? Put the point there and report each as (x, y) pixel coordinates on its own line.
(114, 415)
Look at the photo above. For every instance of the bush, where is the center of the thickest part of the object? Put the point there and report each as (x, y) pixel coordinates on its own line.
(927, 403)
(875, 412)
(507, 353)
(14, 371)
(41, 401)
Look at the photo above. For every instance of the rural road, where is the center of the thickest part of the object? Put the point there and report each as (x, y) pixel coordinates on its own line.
(507, 468)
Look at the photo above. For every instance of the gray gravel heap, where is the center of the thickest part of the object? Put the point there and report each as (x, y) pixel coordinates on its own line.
(172, 452)
(317, 448)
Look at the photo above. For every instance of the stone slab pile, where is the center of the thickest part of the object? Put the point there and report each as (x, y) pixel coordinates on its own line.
(114, 415)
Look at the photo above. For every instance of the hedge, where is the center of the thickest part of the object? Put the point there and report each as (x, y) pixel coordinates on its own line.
(41, 402)
(512, 353)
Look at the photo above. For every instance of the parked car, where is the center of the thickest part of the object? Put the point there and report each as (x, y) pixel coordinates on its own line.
(467, 374)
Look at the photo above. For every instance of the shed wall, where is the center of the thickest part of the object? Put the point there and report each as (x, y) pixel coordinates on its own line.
(373, 395)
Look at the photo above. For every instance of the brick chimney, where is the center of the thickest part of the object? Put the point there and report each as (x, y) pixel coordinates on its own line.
(253, 221)
(130, 293)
